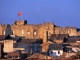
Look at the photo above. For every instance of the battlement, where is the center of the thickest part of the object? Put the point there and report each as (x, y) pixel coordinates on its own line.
(20, 22)
(48, 23)
(21, 28)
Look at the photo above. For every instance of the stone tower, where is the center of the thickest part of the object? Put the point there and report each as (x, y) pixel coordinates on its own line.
(48, 28)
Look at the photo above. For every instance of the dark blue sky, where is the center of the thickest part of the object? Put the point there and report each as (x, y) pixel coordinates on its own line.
(61, 12)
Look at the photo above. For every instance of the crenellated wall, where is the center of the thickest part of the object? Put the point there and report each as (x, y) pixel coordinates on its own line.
(67, 30)
(21, 28)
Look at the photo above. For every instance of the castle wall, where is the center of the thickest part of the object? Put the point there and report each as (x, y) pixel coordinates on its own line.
(73, 32)
(21, 28)
(48, 27)
(29, 31)
(1, 29)
(78, 33)
(67, 30)
(33, 31)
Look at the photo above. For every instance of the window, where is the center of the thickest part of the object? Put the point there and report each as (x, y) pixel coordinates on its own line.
(28, 33)
(49, 34)
(22, 32)
(58, 52)
(12, 32)
(58, 32)
(34, 32)
(4, 32)
(68, 31)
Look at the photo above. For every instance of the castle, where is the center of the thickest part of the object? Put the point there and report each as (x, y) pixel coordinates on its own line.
(36, 31)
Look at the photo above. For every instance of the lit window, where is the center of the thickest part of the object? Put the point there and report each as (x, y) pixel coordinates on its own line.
(68, 31)
(34, 32)
(22, 31)
(13, 32)
(4, 32)
(28, 33)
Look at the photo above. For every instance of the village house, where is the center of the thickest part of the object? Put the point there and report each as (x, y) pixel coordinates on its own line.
(55, 50)
(22, 39)
(58, 38)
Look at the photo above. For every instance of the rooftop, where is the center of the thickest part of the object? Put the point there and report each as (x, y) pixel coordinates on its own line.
(55, 46)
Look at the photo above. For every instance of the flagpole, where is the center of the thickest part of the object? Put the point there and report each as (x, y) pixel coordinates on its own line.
(21, 15)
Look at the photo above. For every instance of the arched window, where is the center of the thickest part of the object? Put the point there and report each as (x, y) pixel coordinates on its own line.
(28, 32)
(13, 32)
(22, 32)
(4, 32)
(68, 31)
(34, 32)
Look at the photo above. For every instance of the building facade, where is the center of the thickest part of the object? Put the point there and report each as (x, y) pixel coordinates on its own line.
(21, 28)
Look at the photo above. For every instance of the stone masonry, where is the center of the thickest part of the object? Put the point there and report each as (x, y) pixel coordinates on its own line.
(34, 31)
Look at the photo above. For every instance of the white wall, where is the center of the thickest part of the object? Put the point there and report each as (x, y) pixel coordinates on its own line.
(55, 51)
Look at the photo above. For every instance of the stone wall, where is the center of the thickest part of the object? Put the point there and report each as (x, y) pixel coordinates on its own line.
(48, 27)
(0, 28)
(78, 33)
(20, 28)
(67, 30)
(8, 45)
(20, 22)
(33, 30)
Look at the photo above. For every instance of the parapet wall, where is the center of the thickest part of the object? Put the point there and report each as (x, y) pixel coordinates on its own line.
(67, 30)
(20, 22)
(21, 28)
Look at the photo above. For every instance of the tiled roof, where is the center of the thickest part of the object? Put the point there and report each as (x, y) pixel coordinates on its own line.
(28, 41)
(55, 46)
(16, 53)
(72, 40)
(39, 56)
(8, 37)
(59, 36)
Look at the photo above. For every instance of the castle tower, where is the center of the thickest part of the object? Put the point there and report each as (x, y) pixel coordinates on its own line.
(20, 22)
(48, 28)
